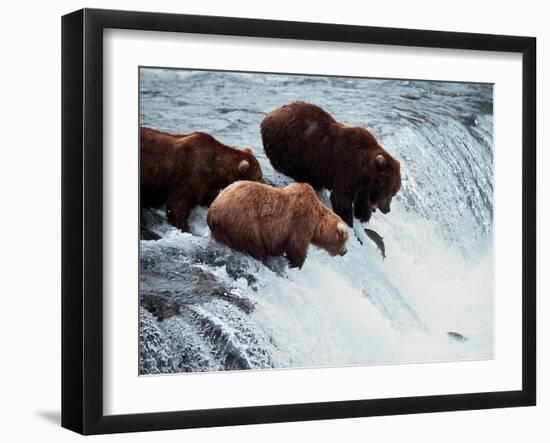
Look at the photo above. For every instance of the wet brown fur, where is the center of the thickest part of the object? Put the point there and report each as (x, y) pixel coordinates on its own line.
(261, 220)
(186, 170)
(304, 142)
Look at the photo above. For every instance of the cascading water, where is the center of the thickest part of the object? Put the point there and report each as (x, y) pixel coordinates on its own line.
(205, 307)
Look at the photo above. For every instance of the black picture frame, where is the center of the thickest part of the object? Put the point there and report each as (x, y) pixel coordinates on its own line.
(82, 218)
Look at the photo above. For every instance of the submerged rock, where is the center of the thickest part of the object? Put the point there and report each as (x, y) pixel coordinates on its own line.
(164, 297)
(155, 353)
(172, 346)
(160, 305)
(147, 234)
(152, 223)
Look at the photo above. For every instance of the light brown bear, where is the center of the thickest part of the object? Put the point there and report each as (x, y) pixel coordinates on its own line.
(261, 220)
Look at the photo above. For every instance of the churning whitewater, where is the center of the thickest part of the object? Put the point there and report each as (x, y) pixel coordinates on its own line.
(206, 307)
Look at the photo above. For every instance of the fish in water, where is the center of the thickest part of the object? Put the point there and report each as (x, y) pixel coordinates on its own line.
(379, 241)
(456, 336)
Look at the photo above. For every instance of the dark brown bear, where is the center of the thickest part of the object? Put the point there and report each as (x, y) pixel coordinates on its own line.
(262, 220)
(304, 142)
(186, 170)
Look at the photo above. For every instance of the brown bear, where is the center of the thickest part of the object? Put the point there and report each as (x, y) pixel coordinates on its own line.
(304, 142)
(262, 220)
(186, 170)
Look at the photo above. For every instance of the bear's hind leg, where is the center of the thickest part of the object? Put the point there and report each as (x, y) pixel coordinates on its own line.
(296, 252)
(178, 208)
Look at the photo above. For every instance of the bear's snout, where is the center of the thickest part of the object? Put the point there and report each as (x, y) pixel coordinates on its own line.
(384, 205)
(343, 252)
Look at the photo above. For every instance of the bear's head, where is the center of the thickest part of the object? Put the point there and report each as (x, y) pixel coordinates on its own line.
(331, 233)
(248, 167)
(380, 179)
(386, 182)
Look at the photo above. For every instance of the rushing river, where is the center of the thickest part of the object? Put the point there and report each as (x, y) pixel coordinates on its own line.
(205, 307)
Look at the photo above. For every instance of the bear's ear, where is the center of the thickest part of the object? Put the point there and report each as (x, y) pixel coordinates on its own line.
(243, 166)
(380, 161)
(341, 228)
(247, 150)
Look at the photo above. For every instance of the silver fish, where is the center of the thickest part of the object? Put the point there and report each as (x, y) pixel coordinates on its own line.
(379, 241)
(456, 336)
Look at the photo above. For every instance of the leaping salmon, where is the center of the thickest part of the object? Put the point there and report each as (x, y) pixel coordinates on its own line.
(379, 241)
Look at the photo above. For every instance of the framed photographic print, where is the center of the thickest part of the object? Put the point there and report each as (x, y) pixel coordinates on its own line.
(269, 221)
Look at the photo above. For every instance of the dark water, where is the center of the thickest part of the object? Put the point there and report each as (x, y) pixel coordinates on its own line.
(205, 307)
